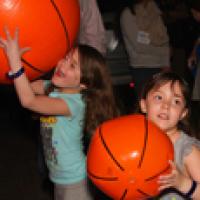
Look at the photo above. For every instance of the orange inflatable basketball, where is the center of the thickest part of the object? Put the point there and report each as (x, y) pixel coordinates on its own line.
(49, 27)
(126, 156)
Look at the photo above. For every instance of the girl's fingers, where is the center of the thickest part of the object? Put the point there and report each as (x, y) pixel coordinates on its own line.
(2, 42)
(162, 187)
(7, 32)
(8, 36)
(168, 180)
(10, 43)
(25, 49)
(172, 164)
(17, 34)
(167, 176)
(166, 183)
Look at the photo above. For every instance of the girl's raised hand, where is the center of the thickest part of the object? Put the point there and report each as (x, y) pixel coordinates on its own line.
(12, 49)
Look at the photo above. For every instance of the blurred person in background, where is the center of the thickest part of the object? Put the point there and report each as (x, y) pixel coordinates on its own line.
(146, 40)
(92, 31)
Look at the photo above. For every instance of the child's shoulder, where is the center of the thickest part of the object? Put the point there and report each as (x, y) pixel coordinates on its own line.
(190, 146)
(185, 148)
(185, 140)
(192, 162)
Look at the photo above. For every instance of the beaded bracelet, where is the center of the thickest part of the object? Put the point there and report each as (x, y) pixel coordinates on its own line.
(17, 74)
(191, 190)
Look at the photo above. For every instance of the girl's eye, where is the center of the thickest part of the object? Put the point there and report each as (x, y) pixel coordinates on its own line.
(177, 102)
(158, 97)
(72, 65)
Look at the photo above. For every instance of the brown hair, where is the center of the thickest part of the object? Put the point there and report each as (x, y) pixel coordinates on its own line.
(98, 95)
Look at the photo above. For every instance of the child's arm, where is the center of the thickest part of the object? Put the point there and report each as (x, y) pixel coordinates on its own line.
(184, 185)
(38, 87)
(37, 103)
(187, 186)
(192, 163)
(181, 182)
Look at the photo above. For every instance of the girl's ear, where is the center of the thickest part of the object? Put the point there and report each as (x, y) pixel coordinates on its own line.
(184, 114)
(83, 86)
(143, 106)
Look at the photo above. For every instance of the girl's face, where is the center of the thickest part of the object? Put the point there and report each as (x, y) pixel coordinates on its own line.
(67, 73)
(196, 15)
(165, 106)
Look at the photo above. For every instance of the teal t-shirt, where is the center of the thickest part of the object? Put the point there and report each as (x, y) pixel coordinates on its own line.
(62, 141)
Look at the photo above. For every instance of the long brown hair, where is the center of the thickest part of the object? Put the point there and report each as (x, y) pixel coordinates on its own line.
(98, 95)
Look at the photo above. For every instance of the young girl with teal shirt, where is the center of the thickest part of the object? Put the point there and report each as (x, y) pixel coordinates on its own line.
(165, 100)
(76, 100)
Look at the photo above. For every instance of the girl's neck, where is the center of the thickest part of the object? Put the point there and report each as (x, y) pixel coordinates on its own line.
(70, 90)
(173, 135)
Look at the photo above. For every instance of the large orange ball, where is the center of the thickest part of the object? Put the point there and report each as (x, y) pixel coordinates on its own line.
(127, 155)
(48, 27)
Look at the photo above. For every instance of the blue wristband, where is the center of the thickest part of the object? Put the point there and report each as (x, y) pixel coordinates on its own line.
(15, 75)
(192, 189)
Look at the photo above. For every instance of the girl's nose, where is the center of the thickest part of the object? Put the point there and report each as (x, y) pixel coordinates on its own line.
(61, 62)
(165, 104)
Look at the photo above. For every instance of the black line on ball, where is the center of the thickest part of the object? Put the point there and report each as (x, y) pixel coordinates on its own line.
(66, 34)
(103, 178)
(158, 174)
(143, 193)
(32, 67)
(124, 194)
(146, 133)
(108, 150)
(62, 22)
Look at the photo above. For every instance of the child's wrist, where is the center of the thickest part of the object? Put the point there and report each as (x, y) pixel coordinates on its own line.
(16, 73)
(15, 64)
(184, 184)
(191, 190)
(188, 188)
